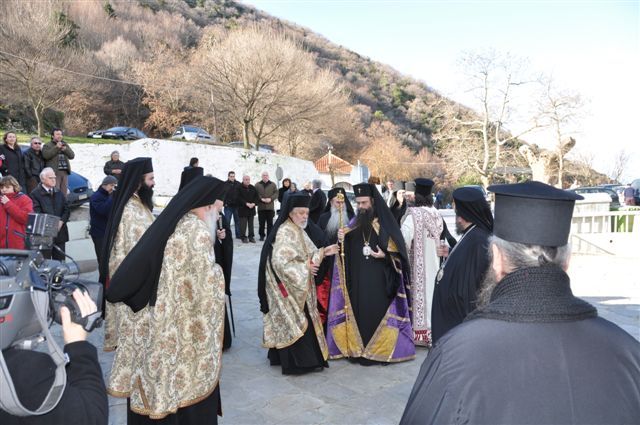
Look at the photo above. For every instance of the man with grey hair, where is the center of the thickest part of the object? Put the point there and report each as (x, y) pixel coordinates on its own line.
(533, 352)
(318, 201)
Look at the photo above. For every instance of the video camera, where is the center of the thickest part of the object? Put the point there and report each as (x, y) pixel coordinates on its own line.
(32, 291)
(25, 271)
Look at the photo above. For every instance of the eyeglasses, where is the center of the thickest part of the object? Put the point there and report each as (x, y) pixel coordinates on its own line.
(36, 143)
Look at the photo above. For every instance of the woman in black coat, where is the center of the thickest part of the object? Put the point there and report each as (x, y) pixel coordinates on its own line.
(12, 159)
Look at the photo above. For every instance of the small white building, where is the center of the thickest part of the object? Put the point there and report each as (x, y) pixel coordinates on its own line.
(335, 171)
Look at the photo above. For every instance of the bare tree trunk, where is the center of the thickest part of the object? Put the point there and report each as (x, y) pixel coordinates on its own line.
(245, 134)
(38, 112)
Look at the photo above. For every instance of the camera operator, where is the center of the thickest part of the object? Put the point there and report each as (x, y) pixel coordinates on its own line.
(84, 400)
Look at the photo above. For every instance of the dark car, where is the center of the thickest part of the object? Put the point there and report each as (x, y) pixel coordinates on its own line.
(615, 200)
(79, 190)
(95, 134)
(123, 133)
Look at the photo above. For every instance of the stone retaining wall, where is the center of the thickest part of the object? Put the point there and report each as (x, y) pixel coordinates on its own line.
(170, 157)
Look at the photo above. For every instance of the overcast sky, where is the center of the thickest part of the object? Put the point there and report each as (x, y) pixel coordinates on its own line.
(592, 47)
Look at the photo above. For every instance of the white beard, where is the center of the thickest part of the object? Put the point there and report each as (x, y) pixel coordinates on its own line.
(334, 221)
(304, 224)
(212, 222)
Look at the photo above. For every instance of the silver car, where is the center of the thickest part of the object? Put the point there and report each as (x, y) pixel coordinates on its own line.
(192, 133)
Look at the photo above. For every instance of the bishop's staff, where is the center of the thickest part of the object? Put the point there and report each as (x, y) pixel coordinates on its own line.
(343, 274)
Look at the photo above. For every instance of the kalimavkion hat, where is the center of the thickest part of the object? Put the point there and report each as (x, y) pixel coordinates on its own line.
(533, 213)
(363, 189)
(424, 186)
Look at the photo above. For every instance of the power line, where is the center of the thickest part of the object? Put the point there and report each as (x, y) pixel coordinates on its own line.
(83, 74)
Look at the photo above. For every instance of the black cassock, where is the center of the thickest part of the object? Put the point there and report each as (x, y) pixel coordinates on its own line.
(534, 355)
(454, 296)
(317, 205)
(224, 257)
(372, 283)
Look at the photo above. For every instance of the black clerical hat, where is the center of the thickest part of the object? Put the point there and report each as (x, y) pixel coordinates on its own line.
(298, 200)
(189, 175)
(144, 162)
(471, 205)
(363, 189)
(334, 192)
(533, 213)
(423, 187)
(410, 186)
(398, 185)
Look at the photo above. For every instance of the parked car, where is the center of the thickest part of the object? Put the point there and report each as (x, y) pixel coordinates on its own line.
(96, 134)
(615, 200)
(189, 132)
(263, 148)
(123, 133)
(79, 190)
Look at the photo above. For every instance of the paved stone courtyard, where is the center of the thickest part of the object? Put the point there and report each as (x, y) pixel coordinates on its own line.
(255, 393)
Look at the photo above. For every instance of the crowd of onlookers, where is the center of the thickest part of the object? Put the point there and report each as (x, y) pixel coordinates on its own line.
(35, 180)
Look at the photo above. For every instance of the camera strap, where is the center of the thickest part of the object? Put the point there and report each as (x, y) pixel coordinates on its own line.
(9, 400)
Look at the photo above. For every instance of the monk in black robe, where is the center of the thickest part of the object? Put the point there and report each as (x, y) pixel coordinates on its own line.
(461, 274)
(532, 353)
(376, 271)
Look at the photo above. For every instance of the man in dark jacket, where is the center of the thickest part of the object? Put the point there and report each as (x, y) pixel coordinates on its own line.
(532, 353)
(231, 202)
(58, 155)
(99, 209)
(48, 199)
(267, 194)
(114, 166)
(33, 164)
(318, 202)
(247, 200)
(84, 400)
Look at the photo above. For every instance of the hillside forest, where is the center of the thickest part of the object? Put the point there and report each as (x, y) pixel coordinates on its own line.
(246, 76)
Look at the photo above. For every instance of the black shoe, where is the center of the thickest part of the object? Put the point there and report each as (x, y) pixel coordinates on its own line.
(252, 240)
(261, 238)
(245, 240)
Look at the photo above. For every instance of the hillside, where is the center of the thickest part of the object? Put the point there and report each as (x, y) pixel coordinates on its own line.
(144, 59)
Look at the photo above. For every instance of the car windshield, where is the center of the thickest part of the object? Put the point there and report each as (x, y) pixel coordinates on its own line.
(118, 129)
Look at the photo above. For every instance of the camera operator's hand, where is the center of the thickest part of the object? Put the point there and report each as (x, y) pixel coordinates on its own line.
(74, 332)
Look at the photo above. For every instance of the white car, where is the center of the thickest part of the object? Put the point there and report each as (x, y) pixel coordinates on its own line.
(191, 133)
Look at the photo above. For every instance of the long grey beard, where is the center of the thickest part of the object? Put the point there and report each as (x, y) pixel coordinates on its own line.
(334, 221)
(487, 287)
(304, 224)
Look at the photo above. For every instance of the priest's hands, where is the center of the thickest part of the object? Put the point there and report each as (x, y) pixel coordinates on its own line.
(314, 268)
(331, 249)
(378, 253)
(221, 233)
(341, 234)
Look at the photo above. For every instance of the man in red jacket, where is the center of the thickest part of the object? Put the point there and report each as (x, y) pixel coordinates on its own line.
(15, 208)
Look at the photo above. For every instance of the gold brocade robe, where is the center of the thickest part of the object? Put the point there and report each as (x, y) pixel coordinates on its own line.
(177, 360)
(286, 322)
(136, 219)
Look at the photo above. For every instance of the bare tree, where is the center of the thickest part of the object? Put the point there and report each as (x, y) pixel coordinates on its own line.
(264, 81)
(560, 111)
(493, 79)
(620, 163)
(37, 56)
